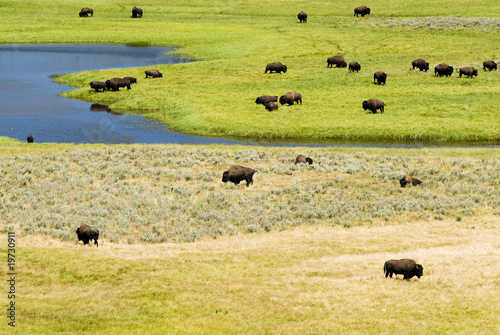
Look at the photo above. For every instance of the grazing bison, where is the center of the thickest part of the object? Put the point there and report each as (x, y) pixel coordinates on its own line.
(303, 159)
(443, 69)
(86, 11)
(290, 98)
(114, 84)
(237, 173)
(354, 66)
(86, 233)
(30, 138)
(153, 73)
(264, 99)
(406, 267)
(361, 10)
(379, 77)
(277, 67)
(133, 80)
(338, 61)
(373, 105)
(409, 180)
(421, 64)
(302, 17)
(136, 12)
(490, 65)
(271, 106)
(98, 85)
(468, 71)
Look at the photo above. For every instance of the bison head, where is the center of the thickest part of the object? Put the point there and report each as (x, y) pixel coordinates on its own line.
(258, 100)
(419, 270)
(282, 100)
(309, 160)
(284, 68)
(225, 176)
(403, 182)
(426, 67)
(365, 103)
(367, 10)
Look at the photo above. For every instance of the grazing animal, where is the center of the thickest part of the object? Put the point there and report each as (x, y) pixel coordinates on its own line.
(490, 65)
(468, 71)
(153, 73)
(409, 180)
(379, 77)
(86, 11)
(30, 138)
(277, 67)
(302, 17)
(98, 85)
(406, 267)
(237, 173)
(86, 233)
(361, 10)
(421, 64)
(115, 84)
(303, 159)
(338, 61)
(264, 99)
(443, 69)
(354, 66)
(290, 98)
(133, 80)
(136, 12)
(373, 105)
(271, 106)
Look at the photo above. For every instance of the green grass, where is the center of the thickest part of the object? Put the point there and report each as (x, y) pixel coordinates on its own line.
(235, 41)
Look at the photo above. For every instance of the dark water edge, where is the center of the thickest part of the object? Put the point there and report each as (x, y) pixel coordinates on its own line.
(30, 102)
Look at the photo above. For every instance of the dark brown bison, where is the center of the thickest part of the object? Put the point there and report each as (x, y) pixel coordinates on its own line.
(338, 61)
(86, 11)
(264, 99)
(379, 77)
(271, 106)
(30, 138)
(420, 64)
(153, 73)
(373, 105)
(361, 10)
(237, 173)
(443, 69)
(277, 67)
(290, 98)
(86, 233)
(133, 80)
(406, 267)
(302, 17)
(354, 66)
(114, 84)
(303, 159)
(490, 65)
(98, 85)
(409, 180)
(136, 12)
(468, 71)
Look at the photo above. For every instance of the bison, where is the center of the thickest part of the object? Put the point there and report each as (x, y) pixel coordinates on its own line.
(373, 105)
(468, 71)
(86, 11)
(136, 12)
(379, 77)
(86, 233)
(302, 17)
(338, 61)
(115, 84)
(290, 98)
(98, 85)
(361, 10)
(354, 66)
(237, 173)
(490, 65)
(30, 138)
(421, 64)
(271, 106)
(264, 99)
(133, 80)
(277, 67)
(153, 73)
(303, 159)
(406, 267)
(443, 69)
(409, 180)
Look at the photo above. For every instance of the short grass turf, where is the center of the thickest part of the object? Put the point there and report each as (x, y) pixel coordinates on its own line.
(234, 41)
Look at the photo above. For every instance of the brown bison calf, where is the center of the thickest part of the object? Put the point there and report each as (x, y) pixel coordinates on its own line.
(406, 267)
(86, 233)
(338, 61)
(237, 173)
(271, 106)
(409, 180)
(98, 85)
(303, 159)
